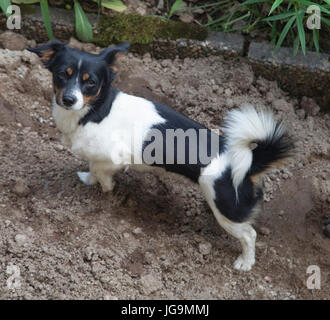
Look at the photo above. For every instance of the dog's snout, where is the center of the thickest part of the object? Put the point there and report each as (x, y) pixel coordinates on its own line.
(69, 100)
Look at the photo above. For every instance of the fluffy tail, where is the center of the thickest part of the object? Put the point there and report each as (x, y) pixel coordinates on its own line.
(255, 142)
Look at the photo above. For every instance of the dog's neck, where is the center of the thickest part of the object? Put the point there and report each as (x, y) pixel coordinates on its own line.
(67, 121)
(102, 106)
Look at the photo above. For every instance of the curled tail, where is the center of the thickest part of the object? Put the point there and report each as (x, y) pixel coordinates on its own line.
(255, 141)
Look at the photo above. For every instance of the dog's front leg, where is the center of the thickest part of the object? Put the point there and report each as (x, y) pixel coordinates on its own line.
(103, 173)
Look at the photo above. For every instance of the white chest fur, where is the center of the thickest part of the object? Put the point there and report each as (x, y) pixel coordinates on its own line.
(118, 138)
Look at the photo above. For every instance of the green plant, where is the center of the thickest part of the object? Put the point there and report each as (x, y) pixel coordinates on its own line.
(115, 5)
(83, 27)
(282, 20)
(4, 4)
(176, 5)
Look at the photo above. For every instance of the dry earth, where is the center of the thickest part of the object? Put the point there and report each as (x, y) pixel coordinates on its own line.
(154, 237)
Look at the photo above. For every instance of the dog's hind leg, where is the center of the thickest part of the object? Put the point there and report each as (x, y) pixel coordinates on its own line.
(245, 233)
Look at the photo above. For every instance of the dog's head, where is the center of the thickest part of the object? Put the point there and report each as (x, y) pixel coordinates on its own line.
(79, 78)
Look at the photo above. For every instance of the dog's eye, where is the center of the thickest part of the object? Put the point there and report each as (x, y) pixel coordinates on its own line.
(62, 75)
(91, 83)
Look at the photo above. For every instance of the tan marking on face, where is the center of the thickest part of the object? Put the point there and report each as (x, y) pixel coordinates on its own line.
(69, 71)
(58, 93)
(90, 99)
(85, 76)
(47, 55)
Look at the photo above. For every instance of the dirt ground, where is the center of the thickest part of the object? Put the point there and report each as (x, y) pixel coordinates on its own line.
(154, 237)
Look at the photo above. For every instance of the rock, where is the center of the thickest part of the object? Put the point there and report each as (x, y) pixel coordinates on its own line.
(150, 284)
(281, 105)
(301, 114)
(310, 106)
(21, 189)
(21, 239)
(326, 231)
(13, 41)
(137, 231)
(186, 17)
(228, 92)
(261, 245)
(264, 231)
(75, 44)
(205, 248)
(58, 147)
(269, 97)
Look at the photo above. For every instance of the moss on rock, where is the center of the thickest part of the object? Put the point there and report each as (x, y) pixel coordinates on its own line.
(143, 30)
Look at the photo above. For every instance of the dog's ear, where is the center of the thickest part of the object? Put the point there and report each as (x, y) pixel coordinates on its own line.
(109, 54)
(47, 51)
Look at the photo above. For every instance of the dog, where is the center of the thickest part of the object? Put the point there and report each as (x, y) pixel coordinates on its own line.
(111, 130)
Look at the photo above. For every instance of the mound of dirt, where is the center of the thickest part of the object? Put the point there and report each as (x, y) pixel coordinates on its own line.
(154, 236)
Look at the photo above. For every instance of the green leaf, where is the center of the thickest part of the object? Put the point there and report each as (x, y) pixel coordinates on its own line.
(237, 19)
(252, 2)
(175, 6)
(281, 16)
(274, 6)
(46, 18)
(316, 40)
(301, 31)
(84, 29)
(295, 45)
(284, 32)
(310, 3)
(25, 1)
(115, 5)
(4, 6)
(325, 20)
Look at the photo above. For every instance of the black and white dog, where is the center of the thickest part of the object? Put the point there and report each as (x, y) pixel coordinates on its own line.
(114, 130)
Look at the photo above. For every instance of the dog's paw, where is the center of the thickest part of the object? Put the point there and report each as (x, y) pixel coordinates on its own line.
(244, 264)
(108, 187)
(86, 178)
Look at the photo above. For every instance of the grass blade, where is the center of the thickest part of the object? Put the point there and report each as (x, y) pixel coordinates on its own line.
(115, 5)
(310, 3)
(252, 2)
(175, 6)
(316, 40)
(325, 20)
(274, 6)
(284, 32)
(281, 16)
(301, 31)
(46, 18)
(83, 27)
(235, 20)
(296, 45)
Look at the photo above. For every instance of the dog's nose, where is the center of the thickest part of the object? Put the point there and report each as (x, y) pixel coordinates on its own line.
(69, 101)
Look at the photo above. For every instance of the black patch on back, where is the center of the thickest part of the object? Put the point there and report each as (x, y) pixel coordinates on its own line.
(101, 108)
(236, 211)
(175, 120)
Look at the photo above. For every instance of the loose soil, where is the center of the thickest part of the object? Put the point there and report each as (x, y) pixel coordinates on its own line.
(154, 237)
